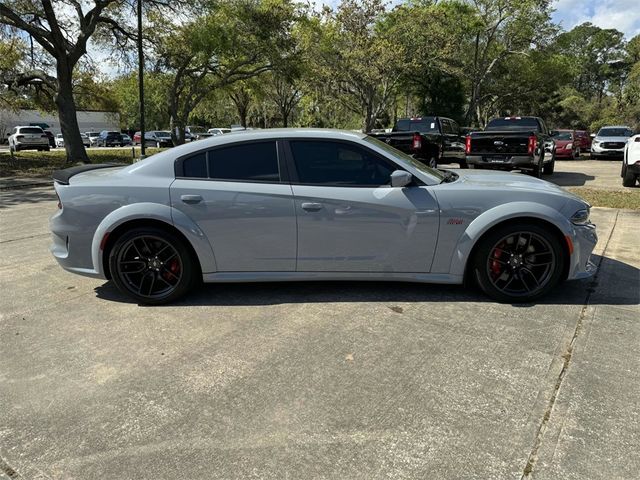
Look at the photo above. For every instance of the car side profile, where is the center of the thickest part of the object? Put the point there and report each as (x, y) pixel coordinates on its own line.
(312, 204)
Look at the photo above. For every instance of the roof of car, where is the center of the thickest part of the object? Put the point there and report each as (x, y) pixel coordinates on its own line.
(269, 133)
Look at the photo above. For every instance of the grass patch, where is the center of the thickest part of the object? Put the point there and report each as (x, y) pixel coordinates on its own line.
(42, 164)
(610, 198)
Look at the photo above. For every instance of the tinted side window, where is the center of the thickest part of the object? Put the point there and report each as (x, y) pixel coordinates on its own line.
(195, 166)
(446, 126)
(249, 162)
(334, 163)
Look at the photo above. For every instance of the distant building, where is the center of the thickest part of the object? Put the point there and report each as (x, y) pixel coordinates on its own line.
(89, 121)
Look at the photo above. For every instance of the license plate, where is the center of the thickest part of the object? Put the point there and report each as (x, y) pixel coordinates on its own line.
(495, 159)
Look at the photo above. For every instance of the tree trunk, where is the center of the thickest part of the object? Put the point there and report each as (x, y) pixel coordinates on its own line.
(285, 117)
(67, 115)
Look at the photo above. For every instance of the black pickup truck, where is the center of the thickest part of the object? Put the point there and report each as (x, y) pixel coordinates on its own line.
(509, 143)
(431, 140)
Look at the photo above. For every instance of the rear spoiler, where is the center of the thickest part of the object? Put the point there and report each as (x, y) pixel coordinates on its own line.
(63, 176)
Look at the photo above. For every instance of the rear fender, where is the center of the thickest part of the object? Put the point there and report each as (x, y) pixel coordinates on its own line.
(159, 212)
(503, 213)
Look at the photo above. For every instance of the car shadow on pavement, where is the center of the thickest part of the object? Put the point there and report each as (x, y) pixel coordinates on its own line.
(622, 289)
(26, 196)
(570, 179)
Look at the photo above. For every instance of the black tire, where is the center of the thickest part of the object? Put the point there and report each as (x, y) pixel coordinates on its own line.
(463, 164)
(628, 178)
(155, 260)
(432, 161)
(577, 154)
(548, 168)
(47, 149)
(537, 171)
(538, 262)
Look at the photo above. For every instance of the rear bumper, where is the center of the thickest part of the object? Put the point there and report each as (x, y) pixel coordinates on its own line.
(31, 145)
(502, 162)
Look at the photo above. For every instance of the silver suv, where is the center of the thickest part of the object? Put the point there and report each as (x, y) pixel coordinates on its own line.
(610, 141)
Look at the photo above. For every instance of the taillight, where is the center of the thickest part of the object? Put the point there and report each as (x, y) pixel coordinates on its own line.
(467, 145)
(532, 144)
(417, 141)
(59, 202)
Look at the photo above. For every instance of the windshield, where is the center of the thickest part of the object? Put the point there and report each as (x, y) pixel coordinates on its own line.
(403, 157)
(163, 134)
(561, 135)
(513, 123)
(422, 125)
(615, 132)
(31, 130)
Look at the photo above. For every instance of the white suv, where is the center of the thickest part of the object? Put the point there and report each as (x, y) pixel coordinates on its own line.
(631, 162)
(28, 138)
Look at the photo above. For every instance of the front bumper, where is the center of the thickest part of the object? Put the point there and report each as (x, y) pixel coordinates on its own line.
(598, 151)
(564, 153)
(583, 239)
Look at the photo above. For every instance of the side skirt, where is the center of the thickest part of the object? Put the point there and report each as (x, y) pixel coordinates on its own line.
(231, 277)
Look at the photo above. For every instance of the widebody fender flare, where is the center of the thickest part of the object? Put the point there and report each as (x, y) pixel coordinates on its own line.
(159, 212)
(503, 213)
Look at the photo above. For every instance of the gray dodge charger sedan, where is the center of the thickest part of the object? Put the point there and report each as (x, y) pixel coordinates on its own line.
(297, 204)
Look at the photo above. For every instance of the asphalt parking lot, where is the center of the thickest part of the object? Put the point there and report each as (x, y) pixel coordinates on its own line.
(315, 380)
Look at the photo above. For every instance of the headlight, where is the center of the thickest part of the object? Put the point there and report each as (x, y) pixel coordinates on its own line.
(569, 146)
(581, 217)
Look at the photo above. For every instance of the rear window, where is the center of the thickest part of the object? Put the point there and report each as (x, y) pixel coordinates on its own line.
(31, 130)
(513, 123)
(422, 125)
(253, 162)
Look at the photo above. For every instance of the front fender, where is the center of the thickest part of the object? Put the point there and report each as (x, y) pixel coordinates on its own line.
(492, 217)
(153, 211)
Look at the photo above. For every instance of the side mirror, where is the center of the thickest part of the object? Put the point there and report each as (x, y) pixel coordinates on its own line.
(400, 178)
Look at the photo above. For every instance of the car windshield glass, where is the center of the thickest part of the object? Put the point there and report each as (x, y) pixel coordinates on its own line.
(513, 123)
(31, 130)
(562, 135)
(615, 132)
(403, 157)
(163, 134)
(422, 125)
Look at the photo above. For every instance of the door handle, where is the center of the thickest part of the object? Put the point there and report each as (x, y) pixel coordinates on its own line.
(311, 206)
(191, 199)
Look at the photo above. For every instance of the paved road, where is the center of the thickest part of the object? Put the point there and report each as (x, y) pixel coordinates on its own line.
(315, 380)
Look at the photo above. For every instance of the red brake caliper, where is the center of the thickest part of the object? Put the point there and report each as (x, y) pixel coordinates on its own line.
(174, 267)
(495, 265)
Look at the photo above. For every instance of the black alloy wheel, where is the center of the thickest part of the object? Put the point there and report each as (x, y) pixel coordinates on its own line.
(518, 263)
(152, 266)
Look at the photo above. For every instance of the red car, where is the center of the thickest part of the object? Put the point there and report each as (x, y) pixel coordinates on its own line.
(136, 138)
(566, 144)
(583, 140)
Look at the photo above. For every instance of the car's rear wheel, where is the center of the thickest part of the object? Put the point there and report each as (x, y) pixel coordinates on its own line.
(518, 263)
(548, 168)
(152, 266)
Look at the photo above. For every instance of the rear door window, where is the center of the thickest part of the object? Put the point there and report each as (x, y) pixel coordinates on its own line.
(249, 162)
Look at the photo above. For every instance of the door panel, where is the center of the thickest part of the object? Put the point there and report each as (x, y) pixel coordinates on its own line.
(250, 226)
(361, 229)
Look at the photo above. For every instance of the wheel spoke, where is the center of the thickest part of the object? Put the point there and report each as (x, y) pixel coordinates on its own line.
(166, 270)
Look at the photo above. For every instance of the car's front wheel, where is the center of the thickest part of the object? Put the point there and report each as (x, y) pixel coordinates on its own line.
(518, 262)
(628, 178)
(152, 266)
